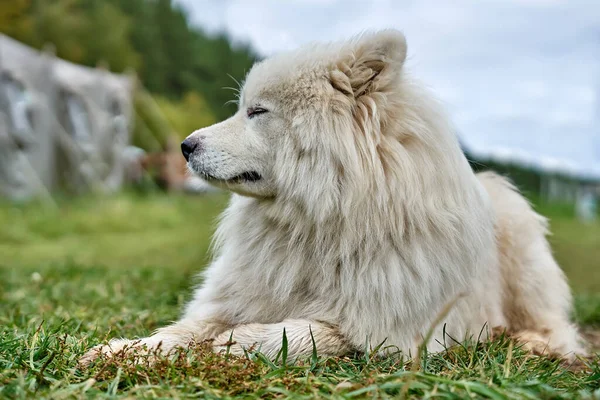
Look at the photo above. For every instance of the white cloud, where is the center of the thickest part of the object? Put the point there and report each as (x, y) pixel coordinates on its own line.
(513, 73)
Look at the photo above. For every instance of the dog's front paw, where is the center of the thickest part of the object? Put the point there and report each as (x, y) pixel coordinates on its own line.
(239, 345)
(113, 348)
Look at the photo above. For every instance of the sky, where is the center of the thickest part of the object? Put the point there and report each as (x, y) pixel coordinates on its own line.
(520, 78)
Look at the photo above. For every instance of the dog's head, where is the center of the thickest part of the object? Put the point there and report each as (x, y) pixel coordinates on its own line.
(302, 118)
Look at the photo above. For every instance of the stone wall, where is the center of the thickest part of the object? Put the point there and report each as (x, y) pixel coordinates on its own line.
(62, 126)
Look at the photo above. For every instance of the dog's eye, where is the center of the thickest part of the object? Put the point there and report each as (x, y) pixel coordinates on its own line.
(251, 112)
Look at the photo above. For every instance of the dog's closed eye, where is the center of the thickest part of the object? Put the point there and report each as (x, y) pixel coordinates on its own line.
(251, 112)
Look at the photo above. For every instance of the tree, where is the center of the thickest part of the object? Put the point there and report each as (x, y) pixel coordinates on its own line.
(16, 19)
(82, 31)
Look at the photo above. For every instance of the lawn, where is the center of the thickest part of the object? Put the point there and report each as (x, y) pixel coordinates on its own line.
(96, 268)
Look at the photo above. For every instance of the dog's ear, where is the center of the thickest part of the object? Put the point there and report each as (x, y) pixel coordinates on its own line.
(369, 63)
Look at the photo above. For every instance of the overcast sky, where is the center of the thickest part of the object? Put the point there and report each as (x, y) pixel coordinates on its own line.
(515, 74)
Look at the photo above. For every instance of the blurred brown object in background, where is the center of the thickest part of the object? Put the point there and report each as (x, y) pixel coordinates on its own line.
(167, 167)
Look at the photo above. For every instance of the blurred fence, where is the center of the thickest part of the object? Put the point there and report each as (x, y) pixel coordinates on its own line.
(62, 126)
(546, 184)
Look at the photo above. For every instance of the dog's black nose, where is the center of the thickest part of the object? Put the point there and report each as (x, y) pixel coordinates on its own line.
(187, 147)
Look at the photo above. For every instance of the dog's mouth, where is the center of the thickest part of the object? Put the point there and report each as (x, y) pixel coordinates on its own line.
(248, 176)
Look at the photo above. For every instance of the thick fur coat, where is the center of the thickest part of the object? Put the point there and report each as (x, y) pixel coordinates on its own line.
(356, 219)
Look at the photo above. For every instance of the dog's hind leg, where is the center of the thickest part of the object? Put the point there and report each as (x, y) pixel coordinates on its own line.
(537, 300)
(301, 335)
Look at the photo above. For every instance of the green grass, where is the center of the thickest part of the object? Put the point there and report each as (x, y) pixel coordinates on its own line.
(97, 268)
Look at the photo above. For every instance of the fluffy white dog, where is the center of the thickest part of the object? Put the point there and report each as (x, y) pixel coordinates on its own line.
(356, 218)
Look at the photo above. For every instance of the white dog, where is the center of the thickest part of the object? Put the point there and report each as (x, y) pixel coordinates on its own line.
(356, 218)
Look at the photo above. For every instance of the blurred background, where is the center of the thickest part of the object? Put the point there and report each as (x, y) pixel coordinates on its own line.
(95, 96)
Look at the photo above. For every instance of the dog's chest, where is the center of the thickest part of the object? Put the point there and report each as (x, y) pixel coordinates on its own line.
(275, 279)
(271, 273)
(281, 286)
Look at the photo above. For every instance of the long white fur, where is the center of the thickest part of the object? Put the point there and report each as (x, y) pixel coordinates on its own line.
(367, 221)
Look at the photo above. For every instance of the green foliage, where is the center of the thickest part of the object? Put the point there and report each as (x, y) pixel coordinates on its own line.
(15, 19)
(82, 33)
(177, 59)
(189, 114)
(105, 37)
(158, 118)
(151, 129)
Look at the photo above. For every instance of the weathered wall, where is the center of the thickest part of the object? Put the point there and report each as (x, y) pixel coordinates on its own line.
(62, 126)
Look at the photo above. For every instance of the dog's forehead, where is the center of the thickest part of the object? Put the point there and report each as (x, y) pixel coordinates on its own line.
(292, 71)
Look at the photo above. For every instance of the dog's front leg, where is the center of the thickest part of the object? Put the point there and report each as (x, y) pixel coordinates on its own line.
(163, 341)
(268, 339)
